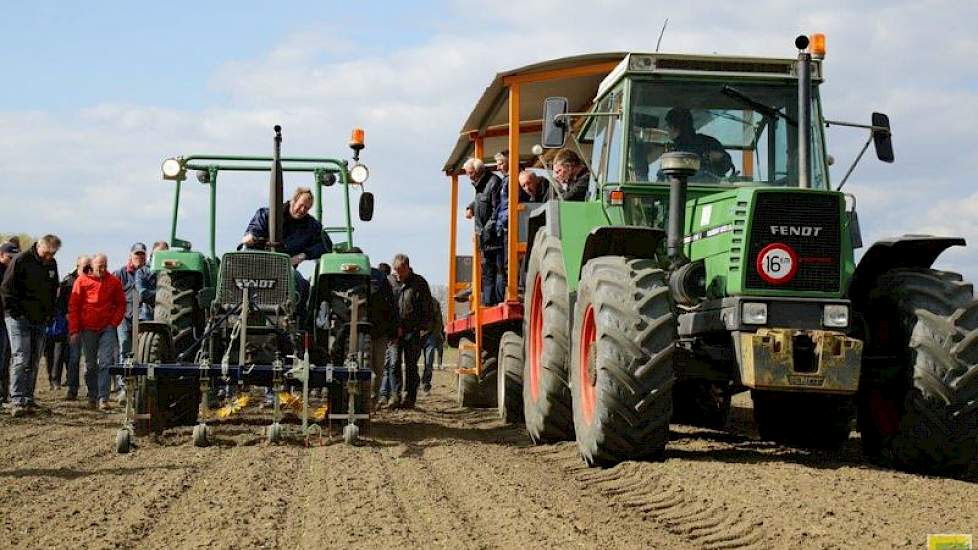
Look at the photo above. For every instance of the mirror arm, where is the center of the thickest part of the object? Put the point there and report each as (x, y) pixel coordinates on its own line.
(855, 162)
(875, 129)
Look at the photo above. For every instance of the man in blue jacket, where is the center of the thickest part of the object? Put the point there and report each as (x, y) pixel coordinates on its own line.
(302, 235)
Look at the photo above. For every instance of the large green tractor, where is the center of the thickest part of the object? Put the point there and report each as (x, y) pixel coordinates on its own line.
(222, 325)
(713, 256)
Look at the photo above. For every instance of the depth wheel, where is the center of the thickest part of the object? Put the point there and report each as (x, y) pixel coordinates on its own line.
(351, 434)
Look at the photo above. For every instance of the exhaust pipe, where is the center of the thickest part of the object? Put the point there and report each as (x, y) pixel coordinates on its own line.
(275, 200)
(678, 167)
(804, 113)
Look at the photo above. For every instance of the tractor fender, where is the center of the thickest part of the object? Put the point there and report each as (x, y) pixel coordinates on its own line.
(546, 216)
(633, 241)
(899, 252)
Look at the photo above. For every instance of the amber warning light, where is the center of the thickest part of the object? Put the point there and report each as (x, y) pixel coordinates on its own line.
(817, 47)
(356, 139)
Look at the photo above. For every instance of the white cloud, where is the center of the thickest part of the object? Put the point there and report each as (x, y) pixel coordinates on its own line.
(93, 175)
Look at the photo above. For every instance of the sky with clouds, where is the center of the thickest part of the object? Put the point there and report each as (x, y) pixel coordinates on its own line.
(96, 94)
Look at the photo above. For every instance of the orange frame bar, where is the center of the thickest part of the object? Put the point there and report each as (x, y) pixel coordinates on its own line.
(512, 229)
(452, 243)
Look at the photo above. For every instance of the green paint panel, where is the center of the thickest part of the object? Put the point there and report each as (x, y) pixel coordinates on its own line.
(336, 262)
(577, 219)
(185, 260)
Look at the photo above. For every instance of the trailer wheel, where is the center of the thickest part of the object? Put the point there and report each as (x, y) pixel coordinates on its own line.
(474, 391)
(803, 420)
(547, 409)
(918, 409)
(509, 378)
(622, 372)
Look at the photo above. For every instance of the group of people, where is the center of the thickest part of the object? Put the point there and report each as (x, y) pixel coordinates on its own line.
(489, 211)
(89, 313)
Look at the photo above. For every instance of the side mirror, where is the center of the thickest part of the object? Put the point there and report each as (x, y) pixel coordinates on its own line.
(554, 128)
(881, 137)
(366, 207)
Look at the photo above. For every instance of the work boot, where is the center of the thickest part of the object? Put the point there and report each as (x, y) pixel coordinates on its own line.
(92, 404)
(71, 396)
(426, 389)
(17, 410)
(103, 405)
(409, 401)
(381, 402)
(395, 402)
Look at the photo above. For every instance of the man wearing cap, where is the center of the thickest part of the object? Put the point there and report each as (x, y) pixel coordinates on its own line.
(146, 284)
(127, 275)
(29, 289)
(7, 253)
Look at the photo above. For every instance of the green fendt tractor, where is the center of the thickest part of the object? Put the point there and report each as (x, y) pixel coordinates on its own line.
(222, 325)
(713, 256)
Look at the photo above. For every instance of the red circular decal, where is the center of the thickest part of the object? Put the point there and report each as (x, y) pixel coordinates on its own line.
(777, 263)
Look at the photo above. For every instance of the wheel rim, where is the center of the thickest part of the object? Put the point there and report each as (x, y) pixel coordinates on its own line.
(536, 337)
(587, 375)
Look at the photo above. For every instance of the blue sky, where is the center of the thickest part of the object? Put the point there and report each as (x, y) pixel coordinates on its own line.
(95, 95)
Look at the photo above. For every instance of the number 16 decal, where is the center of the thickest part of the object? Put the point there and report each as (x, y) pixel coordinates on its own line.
(777, 263)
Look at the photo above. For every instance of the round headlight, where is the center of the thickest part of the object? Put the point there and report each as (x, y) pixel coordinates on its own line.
(172, 168)
(359, 173)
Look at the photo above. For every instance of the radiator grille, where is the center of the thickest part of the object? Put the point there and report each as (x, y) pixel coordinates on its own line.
(819, 256)
(265, 273)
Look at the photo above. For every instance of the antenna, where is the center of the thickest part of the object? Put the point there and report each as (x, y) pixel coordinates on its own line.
(661, 32)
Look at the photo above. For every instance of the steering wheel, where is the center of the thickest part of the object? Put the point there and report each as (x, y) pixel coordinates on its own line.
(259, 244)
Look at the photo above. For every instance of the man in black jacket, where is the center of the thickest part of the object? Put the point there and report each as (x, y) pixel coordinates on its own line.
(483, 209)
(572, 175)
(7, 252)
(29, 290)
(413, 298)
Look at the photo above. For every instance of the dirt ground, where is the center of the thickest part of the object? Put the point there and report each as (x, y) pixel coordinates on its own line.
(444, 477)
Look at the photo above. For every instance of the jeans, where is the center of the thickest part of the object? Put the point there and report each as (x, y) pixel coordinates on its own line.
(500, 289)
(100, 352)
(489, 264)
(26, 348)
(73, 352)
(432, 344)
(124, 331)
(378, 364)
(405, 350)
(55, 358)
(4, 362)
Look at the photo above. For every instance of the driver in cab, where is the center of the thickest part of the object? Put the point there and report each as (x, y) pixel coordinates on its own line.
(715, 162)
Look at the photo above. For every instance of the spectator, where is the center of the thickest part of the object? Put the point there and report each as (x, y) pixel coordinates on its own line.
(29, 289)
(433, 339)
(146, 285)
(384, 268)
(128, 275)
(55, 337)
(7, 252)
(96, 307)
(533, 188)
(302, 236)
(383, 329)
(66, 352)
(413, 298)
(572, 175)
(487, 187)
(501, 224)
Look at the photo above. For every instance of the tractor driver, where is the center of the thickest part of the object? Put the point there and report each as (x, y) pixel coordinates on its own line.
(715, 162)
(302, 235)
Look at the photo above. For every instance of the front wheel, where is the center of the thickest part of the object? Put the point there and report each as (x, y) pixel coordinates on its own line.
(622, 361)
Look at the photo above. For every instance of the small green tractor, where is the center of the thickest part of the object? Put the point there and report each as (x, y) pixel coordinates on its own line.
(222, 325)
(694, 272)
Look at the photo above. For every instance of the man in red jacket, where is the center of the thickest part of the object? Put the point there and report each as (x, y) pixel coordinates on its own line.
(96, 307)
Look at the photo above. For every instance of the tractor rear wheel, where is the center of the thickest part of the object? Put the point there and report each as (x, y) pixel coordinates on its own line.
(622, 365)
(804, 420)
(702, 403)
(169, 401)
(509, 378)
(546, 395)
(177, 306)
(918, 400)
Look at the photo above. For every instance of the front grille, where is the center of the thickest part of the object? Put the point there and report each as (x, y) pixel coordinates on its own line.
(819, 256)
(266, 274)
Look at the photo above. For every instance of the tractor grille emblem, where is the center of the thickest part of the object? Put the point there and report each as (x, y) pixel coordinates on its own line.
(255, 283)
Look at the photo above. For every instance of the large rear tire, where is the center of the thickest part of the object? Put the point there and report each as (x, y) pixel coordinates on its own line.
(918, 396)
(177, 306)
(546, 395)
(622, 366)
(168, 401)
(509, 378)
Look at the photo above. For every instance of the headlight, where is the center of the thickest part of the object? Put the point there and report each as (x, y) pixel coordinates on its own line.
(172, 169)
(835, 316)
(753, 313)
(359, 173)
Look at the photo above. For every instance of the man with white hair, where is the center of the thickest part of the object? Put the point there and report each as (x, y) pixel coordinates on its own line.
(487, 193)
(96, 307)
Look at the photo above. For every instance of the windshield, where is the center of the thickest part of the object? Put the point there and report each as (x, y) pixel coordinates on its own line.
(744, 134)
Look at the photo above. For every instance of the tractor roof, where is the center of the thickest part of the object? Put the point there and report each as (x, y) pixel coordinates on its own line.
(581, 79)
